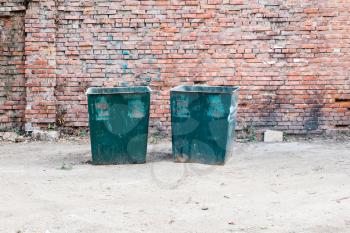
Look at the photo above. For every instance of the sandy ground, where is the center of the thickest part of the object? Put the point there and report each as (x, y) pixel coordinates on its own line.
(285, 187)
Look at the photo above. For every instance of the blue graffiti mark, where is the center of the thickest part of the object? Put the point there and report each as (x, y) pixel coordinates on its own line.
(118, 44)
(125, 52)
(158, 75)
(110, 37)
(125, 67)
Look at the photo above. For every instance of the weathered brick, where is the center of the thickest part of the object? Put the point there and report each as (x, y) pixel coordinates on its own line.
(291, 62)
(12, 89)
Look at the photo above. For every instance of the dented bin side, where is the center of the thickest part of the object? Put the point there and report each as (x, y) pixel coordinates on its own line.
(119, 127)
(232, 122)
(203, 125)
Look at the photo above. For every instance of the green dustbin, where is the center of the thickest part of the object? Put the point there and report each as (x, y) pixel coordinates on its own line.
(203, 120)
(118, 119)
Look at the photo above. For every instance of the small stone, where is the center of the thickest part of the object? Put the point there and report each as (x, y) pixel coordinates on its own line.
(52, 135)
(66, 167)
(9, 136)
(273, 136)
(36, 134)
(20, 139)
(45, 135)
(205, 208)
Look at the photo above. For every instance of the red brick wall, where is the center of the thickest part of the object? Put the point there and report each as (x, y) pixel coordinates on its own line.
(12, 83)
(40, 50)
(291, 58)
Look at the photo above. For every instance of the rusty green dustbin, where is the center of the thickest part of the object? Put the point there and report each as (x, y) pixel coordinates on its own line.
(118, 120)
(203, 120)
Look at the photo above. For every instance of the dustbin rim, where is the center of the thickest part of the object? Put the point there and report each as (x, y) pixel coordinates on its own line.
(205, 89)
(117, 90)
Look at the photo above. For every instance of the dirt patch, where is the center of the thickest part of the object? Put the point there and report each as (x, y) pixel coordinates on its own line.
(269, 188)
